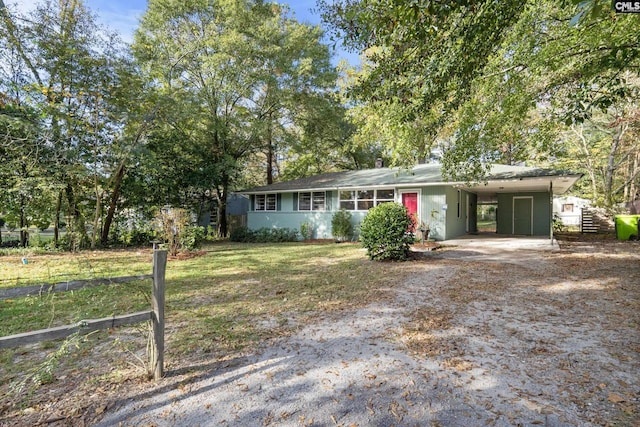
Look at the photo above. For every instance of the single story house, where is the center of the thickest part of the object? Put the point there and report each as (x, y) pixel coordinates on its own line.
(523, 196)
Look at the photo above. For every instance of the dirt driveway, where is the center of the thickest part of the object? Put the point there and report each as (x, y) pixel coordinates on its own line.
(476, 337)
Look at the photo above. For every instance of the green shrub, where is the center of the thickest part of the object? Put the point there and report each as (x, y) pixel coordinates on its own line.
(306, 231)
(263, 235)
(192, 238)
(384, 232)
(241, 234)
(341, 226)
(212, 233)
(284, 235)
(138, 237)
(36, 241)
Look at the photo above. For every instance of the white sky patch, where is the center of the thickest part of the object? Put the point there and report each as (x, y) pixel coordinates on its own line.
(122, 16)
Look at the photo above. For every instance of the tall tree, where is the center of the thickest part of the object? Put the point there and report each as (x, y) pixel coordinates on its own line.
(492, 78)
(75, 75)
(26, 197)
(239, 73)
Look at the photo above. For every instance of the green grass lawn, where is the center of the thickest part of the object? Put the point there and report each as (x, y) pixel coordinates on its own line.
(223, 299)
(487, 225)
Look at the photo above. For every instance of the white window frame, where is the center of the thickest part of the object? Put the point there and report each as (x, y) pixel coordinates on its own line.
(355, 200)
(266, 202)
(312, 201)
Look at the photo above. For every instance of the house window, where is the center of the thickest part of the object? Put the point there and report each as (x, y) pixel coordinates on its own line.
(385, 196)
(348, 200)
(362, 200)
(365, 199)
(312, 201)
(266, 202)
(567, 207)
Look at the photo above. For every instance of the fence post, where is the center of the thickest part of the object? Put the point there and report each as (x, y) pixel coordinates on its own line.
(157, 301)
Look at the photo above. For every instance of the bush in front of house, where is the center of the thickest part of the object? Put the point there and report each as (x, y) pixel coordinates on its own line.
(240, 234)
(192, 237)
(263, 235)
(383, 232)
(306, 231)
(341, 226)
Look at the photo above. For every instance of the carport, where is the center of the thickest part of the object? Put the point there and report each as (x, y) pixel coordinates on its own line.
(524, 201)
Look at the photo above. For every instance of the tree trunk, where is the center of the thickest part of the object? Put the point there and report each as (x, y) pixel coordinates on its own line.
(23, 222)
(611, 166)
(221, 195)
(584, 149)
(78, 235)
(56, 220)
(96, 218)
(113, 204)
(270, 154)
(270, 165)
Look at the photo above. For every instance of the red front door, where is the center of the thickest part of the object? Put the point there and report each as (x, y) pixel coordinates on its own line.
(410, 201)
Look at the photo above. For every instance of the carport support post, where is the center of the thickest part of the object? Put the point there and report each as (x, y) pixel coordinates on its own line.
(551, 211)
(157, 318)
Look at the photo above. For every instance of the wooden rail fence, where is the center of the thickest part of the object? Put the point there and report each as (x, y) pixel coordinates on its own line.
(156, 314)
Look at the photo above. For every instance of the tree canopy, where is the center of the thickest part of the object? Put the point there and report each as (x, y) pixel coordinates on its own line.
(488, 81)
(246, 83)
(67, 82)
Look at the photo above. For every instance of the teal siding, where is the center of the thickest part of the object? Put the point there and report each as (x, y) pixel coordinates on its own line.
(444, 223)
(319, 221)
(541, 213)
(431, 213)
(288, 203)
(432, 201)
(288, 216)
(457, 212)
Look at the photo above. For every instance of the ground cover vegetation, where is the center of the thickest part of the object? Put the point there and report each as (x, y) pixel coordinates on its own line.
(228, 298)
(234, 298)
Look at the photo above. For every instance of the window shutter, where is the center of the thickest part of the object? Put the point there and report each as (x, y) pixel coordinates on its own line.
(252, 202)
(278, 202)
(328, 199)
(295, 201)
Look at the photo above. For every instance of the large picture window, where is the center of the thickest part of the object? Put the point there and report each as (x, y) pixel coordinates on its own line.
(266, 202)
(362, 200)
(312, 201)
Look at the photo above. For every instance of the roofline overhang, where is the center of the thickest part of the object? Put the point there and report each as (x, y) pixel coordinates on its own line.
(456, 184)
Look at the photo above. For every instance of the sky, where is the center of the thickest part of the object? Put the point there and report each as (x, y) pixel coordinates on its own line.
(123, 16)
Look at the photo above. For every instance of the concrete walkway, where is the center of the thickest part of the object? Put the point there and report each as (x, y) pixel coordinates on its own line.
(502, 241)
(493, 248)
